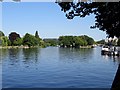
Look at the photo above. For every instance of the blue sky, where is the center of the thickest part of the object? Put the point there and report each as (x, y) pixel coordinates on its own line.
(47, 18)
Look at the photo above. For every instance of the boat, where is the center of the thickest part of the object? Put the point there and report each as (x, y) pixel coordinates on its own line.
(110, 50)
(105, 50)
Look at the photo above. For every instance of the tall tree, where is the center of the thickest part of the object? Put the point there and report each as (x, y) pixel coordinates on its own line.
(106, 14)
(36, 34)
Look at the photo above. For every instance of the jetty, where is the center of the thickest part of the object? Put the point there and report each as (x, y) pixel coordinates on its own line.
(110, 50)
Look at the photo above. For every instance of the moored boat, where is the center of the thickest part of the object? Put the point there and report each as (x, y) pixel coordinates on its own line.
(110, 50)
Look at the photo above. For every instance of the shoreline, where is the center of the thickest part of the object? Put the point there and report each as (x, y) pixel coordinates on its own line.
(9, 47)
(89, 46)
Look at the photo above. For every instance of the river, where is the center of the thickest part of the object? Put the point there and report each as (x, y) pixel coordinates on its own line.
(55, 67)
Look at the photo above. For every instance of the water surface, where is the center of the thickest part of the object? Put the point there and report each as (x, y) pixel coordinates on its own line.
(55, 67)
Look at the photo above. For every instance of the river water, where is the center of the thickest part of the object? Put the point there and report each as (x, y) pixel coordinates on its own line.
(55, 67)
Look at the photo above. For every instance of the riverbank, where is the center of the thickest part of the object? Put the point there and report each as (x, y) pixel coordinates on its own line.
(9, 47)
(90, 46)
(86, 46)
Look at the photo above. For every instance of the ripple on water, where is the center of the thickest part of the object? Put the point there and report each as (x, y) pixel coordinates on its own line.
(57, 67)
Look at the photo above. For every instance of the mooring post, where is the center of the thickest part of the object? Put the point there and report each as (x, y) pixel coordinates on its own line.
(116, 82)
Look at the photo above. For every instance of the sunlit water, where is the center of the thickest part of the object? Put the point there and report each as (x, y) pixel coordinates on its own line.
(54, 67)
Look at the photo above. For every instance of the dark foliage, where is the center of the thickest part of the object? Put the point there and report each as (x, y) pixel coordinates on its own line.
(106, 14)
(101, 42)
(75, 41)
(36, 34)
(13, 36)
(51, 41)
(30, 40)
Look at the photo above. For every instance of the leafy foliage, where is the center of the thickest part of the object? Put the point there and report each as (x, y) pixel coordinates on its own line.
(13, 36)
(30, 40)
(89, 40)
(101, 42)
(51, 42)
(36, 34)
(3, 41)
(106, 14)
(1, 34)
(66, 41)
(78, 41)
(17, 42)
(75, 41)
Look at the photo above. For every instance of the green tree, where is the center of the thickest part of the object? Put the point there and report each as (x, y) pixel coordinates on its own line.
(36, 34)
(30, 40)
(101, 42)
(87, 40)
(85, 43)
(3, 41)
(65, 41)
(90, 41)
(75, 41)
(9, 42)
(51, 42)
(39, 40)
(18, 42)
(1, 34)
(106, 14)
(78, 42)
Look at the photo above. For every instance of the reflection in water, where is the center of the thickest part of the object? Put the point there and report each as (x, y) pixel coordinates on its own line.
(17, 55)
(3, 53)
(113, 58)
(11, 55)
(116, 59)
(73, 54)
(14, 54)
(30, 54)
(57, 67)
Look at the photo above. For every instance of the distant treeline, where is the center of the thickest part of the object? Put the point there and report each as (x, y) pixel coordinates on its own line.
(75, 41)
(14, 39)
(70, 41)
(51, 41)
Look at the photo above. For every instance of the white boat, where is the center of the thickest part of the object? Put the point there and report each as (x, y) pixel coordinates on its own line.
(110, 50)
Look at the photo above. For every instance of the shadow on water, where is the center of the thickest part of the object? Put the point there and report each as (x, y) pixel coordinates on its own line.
(30, 55)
